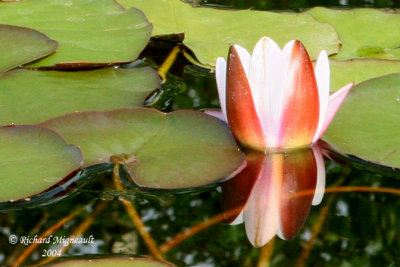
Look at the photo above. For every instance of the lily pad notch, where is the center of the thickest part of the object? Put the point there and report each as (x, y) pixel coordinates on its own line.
(180, 149)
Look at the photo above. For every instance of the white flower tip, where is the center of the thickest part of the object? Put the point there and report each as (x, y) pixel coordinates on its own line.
(220, 63)
(220, 72)
(322, 54)
(244, 57)
(219, 59)
(266, 43)
(239, 49)
(220, 76)
(322, 65)
(289, 45)
(267, 40)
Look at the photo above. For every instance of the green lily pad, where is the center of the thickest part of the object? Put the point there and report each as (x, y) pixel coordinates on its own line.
(30, 96)
(209, 32)
(364, 32)
(33, 159)
(175, 150)
(366, 125)
(19, 46)
(112, 262)
(359, 70)
(89, 31)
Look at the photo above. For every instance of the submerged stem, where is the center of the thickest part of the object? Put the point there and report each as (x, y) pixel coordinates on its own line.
(135, 217)
(347, 189)
(320, 222)
(315, 232)
(266, 254)
(197, 228)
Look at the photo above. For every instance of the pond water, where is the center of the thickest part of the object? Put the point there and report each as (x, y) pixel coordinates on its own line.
(356, 222)
(294, 5)
(348, 228)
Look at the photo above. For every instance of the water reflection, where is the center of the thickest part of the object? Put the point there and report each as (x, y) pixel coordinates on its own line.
(274, 193)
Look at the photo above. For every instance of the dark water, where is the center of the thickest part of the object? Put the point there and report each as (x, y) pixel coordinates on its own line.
(351, 228)
(356, 228)
(294, 5)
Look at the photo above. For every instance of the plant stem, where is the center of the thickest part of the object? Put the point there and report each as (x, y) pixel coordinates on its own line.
(266, 254)
(169, 61)
(135, 217)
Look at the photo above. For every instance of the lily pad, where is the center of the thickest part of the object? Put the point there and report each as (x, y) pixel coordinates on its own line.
(32, 159)
(359, 70)
(176, 150)
(89, 31)
(30, 96)
(366, 125)
(209, 32)
(112, 262)
(364, 32)
(19, 46)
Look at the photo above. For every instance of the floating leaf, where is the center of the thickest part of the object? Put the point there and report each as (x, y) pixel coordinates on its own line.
(209, 32)
(19, 46)
(359, 70)
(29, 96)
(366, 125)
(89, 31)
(175, 150)
(32, 159)
(112, 262)
(364, 32)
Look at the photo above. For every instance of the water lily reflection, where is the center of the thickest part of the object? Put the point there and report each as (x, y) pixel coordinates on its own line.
(276, 192)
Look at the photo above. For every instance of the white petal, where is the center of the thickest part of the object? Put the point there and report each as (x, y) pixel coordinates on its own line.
(322, 75)
(245, 57)
(265, 79)
(261, 212)
(220, 76)
(238, 220)
(321, 175)
(216, 113)
(287, 52)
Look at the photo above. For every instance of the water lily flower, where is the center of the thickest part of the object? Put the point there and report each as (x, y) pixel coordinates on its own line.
(275, 99)
(274, 193)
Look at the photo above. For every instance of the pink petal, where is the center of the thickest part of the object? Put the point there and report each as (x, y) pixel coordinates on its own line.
(322, 75)
(300, 114)
(220, 76)
(335, 101)
(265, 79)
(242, 116)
